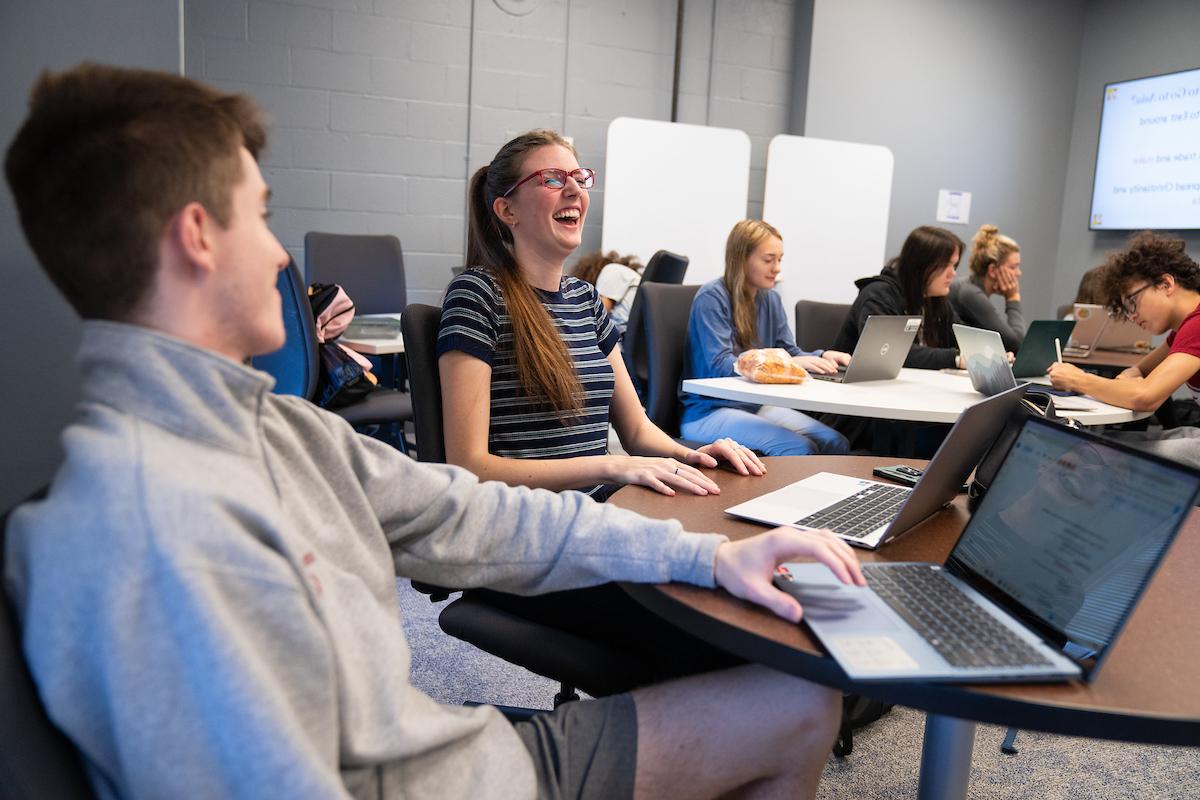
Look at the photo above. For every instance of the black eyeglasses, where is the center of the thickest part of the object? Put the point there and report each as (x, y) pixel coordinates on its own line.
(553, 178)
(1129, 304)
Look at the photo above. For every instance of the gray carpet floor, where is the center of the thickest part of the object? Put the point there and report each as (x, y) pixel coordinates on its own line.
(886, 754)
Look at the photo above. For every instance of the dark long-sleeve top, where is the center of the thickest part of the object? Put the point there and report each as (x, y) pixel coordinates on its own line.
(971, 303)
(881, 295)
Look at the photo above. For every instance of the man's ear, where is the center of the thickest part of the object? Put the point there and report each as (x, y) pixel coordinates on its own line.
(504, 211)
(1169, 283)
(191, 233)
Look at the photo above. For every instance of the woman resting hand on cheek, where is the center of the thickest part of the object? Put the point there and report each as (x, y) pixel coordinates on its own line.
(531, 370)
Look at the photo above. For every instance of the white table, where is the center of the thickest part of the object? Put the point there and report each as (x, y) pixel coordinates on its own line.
(376, 347)
(917, 395)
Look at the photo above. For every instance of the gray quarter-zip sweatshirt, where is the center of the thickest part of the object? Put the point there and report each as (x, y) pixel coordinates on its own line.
(207, 596)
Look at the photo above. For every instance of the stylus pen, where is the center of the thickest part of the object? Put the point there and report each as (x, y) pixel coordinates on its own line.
(1058, 348)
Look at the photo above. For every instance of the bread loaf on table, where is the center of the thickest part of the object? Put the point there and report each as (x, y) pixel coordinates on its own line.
(770, 365)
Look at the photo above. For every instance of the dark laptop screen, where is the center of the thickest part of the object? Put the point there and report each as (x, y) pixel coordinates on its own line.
(1072, 528)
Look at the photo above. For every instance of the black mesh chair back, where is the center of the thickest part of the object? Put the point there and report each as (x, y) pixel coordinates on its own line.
(369, 267)
(294, 366)
(36, 759)
(420, 326)
(817, 324)
(665, 310)
(663, 267)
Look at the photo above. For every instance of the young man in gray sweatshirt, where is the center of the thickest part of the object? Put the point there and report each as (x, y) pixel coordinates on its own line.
(207, 595)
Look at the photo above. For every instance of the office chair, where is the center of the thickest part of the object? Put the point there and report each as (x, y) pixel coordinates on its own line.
(36, 760)
(571, 660)
(665, 311)
(663, 267)
(296, 370)
(369, 267)
(817, 324)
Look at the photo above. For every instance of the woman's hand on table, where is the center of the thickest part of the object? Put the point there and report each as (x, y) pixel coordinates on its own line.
(746, 568)
(740, 457)
(664, 475)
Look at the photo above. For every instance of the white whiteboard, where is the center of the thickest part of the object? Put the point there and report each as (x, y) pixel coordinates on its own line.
(830, 201)
(670, 186)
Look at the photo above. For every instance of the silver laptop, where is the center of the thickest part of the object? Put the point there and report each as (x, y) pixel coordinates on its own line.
(986, 361)
(1096, 329)
(880, 352)
(868, 513)
(1039, 584)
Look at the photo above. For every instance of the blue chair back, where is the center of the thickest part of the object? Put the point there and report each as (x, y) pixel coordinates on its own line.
(294, 366)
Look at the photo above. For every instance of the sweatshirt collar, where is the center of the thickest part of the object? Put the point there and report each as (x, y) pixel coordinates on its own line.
(190, 391)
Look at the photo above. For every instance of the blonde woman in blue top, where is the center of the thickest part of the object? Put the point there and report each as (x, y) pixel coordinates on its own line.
(739, 312)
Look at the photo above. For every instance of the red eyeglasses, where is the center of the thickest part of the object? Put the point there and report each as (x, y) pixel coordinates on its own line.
(553, 178)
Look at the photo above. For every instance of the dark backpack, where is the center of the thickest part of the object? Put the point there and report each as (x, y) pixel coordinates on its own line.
(341, 380)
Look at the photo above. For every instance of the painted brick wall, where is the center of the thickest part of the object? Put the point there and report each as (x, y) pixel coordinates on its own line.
(381, 108)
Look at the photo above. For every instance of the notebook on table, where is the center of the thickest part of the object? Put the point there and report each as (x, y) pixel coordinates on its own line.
(880, 352)
(1096, 329)
(869, 513)
(1039, 584)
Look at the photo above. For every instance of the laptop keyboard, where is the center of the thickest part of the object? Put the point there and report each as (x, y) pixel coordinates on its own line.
(862, 513)
(946, 617)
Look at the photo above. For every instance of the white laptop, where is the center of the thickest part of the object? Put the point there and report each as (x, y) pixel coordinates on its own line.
(868, 513)
(880, 352)
(1096, 329)
(1038, 586)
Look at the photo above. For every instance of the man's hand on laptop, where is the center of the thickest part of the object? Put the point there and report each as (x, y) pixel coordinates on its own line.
(745, 568)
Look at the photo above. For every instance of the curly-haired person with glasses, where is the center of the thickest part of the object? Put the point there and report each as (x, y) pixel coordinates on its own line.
(1154, 283)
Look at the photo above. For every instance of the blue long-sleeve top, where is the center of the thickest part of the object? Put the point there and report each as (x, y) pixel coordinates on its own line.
(712, 351)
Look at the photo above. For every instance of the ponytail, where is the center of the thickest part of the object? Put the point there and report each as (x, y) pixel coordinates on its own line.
(544, 365)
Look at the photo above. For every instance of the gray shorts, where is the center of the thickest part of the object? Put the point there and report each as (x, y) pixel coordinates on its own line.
(585, 749)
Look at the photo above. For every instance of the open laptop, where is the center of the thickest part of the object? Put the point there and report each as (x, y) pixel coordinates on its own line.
(1038, 586)
(1037, 352)
(1096, 329)
(880, 352)
(868, 513)
(983, 355)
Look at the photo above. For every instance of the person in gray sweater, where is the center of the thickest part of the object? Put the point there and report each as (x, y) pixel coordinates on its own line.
(206, 595)
(995, 268)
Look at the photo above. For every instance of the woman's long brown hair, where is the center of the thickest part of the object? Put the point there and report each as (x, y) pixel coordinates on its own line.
(743, 240)
(544, 365)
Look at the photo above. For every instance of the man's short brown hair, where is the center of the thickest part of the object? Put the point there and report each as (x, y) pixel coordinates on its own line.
(105, 159)
(1147, 258)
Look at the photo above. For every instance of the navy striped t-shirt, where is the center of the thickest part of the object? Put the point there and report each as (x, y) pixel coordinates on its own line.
(475, 321)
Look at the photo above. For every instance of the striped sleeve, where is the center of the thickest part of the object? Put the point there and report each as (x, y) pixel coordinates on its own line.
(607, 333)
(470, 317)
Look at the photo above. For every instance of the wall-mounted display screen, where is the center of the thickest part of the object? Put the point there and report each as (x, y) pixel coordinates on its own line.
(1148, 157)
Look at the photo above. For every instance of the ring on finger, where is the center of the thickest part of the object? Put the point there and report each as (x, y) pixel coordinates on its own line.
(677, 470)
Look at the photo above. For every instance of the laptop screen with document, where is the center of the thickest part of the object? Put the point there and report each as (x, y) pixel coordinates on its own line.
(1070, 532)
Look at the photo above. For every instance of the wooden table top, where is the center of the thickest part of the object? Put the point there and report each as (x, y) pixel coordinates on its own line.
(1146, 691)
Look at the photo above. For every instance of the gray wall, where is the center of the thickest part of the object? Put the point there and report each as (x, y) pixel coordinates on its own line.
(1121, 40)
(972, 95)
(39, 330)
(374, 104)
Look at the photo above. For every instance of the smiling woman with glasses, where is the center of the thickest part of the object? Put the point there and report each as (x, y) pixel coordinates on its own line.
(530, 367)
(1154, 283)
